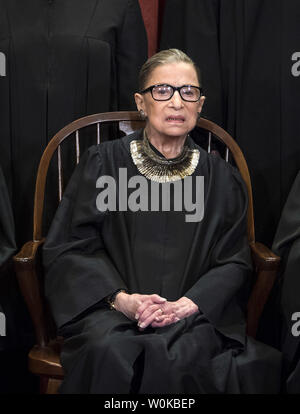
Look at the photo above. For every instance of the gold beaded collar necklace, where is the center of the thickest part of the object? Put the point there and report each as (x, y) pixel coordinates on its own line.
(160, 169)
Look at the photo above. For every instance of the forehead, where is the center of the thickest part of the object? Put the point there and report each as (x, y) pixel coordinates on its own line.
(176, 74)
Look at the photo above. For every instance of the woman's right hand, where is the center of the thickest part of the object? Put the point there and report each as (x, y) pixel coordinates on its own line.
(135, 305)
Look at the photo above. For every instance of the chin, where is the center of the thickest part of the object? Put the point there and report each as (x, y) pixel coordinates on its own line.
(176, 131)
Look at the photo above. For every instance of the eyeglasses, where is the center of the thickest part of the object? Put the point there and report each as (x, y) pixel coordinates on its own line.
(164, 92)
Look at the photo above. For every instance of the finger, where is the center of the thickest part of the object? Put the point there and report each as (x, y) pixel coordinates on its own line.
(147, 301)
(140, 309)
(157, 317)
(148, 312)
(157, 299)
(154, 316)
(161, 324)
(167, 320)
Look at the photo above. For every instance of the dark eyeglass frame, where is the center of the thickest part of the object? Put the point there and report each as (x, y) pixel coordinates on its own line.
(174, 88)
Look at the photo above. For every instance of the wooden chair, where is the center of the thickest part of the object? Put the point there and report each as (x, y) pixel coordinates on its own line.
(44, 358)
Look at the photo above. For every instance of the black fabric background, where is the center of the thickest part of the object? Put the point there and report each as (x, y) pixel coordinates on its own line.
(64, 59)
(244, 49)
(277, 321)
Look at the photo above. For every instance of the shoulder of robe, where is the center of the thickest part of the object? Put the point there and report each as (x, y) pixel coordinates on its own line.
(116, 146)
(225, 168)
(216, 162)
(226, 176)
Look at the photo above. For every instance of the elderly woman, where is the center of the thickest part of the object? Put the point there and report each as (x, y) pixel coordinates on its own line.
(149, 296)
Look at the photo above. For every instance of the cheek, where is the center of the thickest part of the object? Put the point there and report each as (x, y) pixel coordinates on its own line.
(193, 117)
(155, 112)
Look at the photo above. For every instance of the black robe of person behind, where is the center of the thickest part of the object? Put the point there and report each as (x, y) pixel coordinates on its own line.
(89, 254)
(8, 332)
(286, 298)
(7, 226)
(64, 59)
(14, 317)
(250, 77)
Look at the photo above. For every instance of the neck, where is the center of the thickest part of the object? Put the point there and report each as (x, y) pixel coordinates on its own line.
(170, 147)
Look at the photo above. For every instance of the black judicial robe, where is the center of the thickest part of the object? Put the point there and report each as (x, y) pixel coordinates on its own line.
(7, 249)
(64, 59)
(287, 245)
(8, 333)
(14, 318)
(7, 227)
(89, 254)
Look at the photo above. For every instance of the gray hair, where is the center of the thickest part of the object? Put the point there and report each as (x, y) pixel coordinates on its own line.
(161, 58)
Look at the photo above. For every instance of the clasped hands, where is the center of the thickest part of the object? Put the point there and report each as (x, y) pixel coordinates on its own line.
(153, 310)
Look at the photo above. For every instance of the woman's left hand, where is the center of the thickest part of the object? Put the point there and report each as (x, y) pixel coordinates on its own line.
(171, 312)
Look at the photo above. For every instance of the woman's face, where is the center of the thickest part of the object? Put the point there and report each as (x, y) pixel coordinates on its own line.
(175, 117)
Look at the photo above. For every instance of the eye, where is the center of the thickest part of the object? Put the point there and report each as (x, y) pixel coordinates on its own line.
(189, 91)
(162, 90)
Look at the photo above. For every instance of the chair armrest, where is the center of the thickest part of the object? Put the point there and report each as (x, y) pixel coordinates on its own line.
(266, 265)
(27, 264)
(263, 257)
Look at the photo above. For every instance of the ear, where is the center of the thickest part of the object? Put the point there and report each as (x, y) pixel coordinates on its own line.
(139, 101)
(200, 104)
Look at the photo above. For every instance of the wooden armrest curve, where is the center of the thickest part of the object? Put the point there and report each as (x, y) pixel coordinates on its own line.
(27, 268)
(28, 251)
(263, 257)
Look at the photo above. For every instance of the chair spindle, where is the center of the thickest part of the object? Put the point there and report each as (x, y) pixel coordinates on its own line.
(98, 133)
(60, 183)
(77, 147)
(209, 143)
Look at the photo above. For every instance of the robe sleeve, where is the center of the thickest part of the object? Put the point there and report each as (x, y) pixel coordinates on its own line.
(78, 271)
(131, 54)
(222, 292)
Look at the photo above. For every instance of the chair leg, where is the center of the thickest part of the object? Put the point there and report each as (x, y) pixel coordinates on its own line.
(49, 385)
(53, 385)
(43, 385)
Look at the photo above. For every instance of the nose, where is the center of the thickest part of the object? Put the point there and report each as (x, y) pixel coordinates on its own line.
(176, 100)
